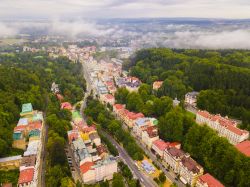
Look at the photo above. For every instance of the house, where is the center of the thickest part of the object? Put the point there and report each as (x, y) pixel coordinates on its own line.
(172, 156)
(73, 135)
(189, 170)
(208, 180)
(244, 147)
(93, 172)
(130, 117)
(26, 178)
(66, 105)
(223, 125)
(80, 150)
(117, 108)
(9, 163)
(149, 136)
(28, 161)
(159, 146)
(141, 124)
(157, 85)
(191, 98)
(107, 98)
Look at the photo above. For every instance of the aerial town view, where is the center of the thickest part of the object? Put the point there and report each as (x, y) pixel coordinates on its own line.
(110, 93)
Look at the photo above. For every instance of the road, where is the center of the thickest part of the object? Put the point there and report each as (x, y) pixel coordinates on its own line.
(170, 175)
(144, 179)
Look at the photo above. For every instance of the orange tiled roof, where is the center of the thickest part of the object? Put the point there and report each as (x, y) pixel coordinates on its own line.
(210, 181)
(26, 176)
(244, 147)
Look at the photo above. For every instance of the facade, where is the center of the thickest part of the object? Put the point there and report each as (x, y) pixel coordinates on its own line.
(191, 98)
(107, 98)
(224, 126)
(189, 170)
(9, 163)
(208, 180)
(172, 156)
(149, 136)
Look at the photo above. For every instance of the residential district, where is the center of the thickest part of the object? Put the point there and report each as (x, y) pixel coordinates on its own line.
(92, 160)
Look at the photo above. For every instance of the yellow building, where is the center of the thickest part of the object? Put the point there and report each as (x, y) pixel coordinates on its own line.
(9, 163)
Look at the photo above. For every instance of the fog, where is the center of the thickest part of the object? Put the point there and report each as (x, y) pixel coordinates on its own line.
(210, 36)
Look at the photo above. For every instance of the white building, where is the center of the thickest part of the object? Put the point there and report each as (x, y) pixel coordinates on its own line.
(224, 126)
(149, 136)
(191, 98)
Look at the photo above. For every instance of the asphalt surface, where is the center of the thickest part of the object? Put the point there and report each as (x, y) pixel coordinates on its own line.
(144, 179)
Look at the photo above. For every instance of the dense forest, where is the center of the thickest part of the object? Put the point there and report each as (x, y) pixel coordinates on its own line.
(222, 77)
(27, 77)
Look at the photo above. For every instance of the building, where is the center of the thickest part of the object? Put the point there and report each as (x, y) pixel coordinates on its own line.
(26, 177)
(244, 147)
(191, 98)
(117, 108)
(149, 136)
(157, 85)
(208, 180)
(9, 163)
(107, 98)
(159, 146)
(189, 170)
(94, 137)
(223, 125)
(66, 105)
(130, 117)
(142, 124)
(93, 172)
(172, 156)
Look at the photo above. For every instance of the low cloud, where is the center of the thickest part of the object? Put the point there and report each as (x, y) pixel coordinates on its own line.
(6, 30)
(236, 39)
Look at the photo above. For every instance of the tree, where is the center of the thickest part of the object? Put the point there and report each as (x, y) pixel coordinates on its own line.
(118, 180)
(162, 177)
(121, 95)
(171, 126)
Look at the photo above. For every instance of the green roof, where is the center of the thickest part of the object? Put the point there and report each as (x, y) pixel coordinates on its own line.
(34, 133)
(27, 108)
(17, 135)
(155, 122)
(76, 114)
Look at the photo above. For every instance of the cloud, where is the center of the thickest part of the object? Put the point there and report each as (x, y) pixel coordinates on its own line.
(236, 39)
(6, 30)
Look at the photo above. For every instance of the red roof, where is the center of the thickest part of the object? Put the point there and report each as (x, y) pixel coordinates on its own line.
(86, 167)
(210, 180)
(73, 135)
(19, 128)
(134, 116)
(35, 125)
(244, 147)
(152, 131)
(109, 96)
(160, 144)
(66, 105)
(119, 106)
(26, 176)
(204, 114)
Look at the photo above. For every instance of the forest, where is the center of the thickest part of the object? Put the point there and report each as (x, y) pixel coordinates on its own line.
(27, 77)
(222, 77)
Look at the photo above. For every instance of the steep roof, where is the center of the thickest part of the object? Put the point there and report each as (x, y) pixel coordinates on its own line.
(160, 144)
(244, 147)
(210, 181)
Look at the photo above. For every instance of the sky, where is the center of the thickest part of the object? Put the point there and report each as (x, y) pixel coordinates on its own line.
(18, 9)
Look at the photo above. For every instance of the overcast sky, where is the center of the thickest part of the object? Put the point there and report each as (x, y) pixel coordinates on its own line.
(124, 8)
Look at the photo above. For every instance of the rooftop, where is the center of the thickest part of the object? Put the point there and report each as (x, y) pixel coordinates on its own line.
(160, 144)
(85, 167)
(27, 108)
(22, 121)
(244, 147)
(28, 161)
(26, 176)
(190, 164)
(175, 152)
(11, 158)
(210, 181)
